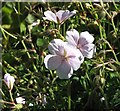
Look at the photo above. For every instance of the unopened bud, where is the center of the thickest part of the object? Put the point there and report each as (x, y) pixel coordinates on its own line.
(9, 80)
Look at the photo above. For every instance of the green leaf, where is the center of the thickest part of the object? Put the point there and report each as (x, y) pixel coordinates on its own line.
(40, 42)
(30, 19)
(22, 27)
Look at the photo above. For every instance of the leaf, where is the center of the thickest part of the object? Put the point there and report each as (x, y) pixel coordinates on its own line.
(40, 42)
(30, 19)
(22, 27)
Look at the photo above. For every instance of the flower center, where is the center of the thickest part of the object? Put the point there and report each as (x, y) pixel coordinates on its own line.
(65, 55)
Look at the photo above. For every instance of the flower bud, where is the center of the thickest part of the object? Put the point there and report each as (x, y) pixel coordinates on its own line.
(9, 80)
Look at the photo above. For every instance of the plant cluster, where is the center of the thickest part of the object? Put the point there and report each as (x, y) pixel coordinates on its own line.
(60, 56)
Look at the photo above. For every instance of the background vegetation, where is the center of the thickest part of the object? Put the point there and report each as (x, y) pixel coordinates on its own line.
(95, 86)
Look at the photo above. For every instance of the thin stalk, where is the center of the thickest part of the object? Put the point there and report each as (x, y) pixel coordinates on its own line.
(9, 66)
(111, 50)
(11, 96)
(104, 95)
(5, 102)
(69, 95)
(25, 49)
(114, 26)
(28, 54)
(7, 32)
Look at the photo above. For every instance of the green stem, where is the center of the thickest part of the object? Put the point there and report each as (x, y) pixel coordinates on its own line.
(111, 50)
(69, 95)
(28, 55)
(5, 102)
(11, 96)
(113, 26)
(104, 95)
(3, 30)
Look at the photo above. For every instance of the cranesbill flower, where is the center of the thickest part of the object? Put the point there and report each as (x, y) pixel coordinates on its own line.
(9, 80)
(64, 58)
(58, 17)
(82, 41)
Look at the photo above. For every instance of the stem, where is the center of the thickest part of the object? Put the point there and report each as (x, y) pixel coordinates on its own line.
(111, 50)
(3, 30)
(114, 26)
(28, 55)
(69, 95)
(104, 95)
(59, 27)
(11, 96)
(5, 102)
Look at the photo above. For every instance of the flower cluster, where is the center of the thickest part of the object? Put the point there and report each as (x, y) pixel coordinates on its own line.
(68, 56)
(59, 17)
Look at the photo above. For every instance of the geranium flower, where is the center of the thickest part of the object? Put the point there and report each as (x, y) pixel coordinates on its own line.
(9, 80)
(64, 58)
(82, 41)
(58, 17)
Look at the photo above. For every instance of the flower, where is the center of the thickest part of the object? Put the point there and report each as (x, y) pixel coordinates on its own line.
(9, 80)
(58, 17)
(64, 58)
(20, 100)
(82, 41)
(31, 104)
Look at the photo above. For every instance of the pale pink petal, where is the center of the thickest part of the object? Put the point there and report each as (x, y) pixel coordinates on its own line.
(59, 15)
(75, 62)
(64, 71)
(9, 80)
(72, 37)
(71, 13)
(72, 51)
(88, 50)
(6, 76)
(49, 15)
(85, 38)
(56, 46)
(52, 62)
(67, 14)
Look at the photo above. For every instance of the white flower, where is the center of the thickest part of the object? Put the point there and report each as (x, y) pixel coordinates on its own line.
(82, 41)
(30, 104)
(102, 99)
(20, 100)
(9, 80)
(64, 58)
(58, 17)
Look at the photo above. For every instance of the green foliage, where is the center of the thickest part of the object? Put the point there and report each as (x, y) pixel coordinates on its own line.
(95, 86)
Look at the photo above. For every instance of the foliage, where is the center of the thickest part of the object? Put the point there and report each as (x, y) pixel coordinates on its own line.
(95, 86)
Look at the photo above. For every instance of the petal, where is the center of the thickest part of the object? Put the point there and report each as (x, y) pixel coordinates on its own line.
(88, 50)
(64, 15)
(6, 76)
(52, 62)
(72, 51)
(64, 71)
(56, 46)
(59, 15)
(71, 13)
(75, 62)
(85, 38)
(50, 16)
(72, 37)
